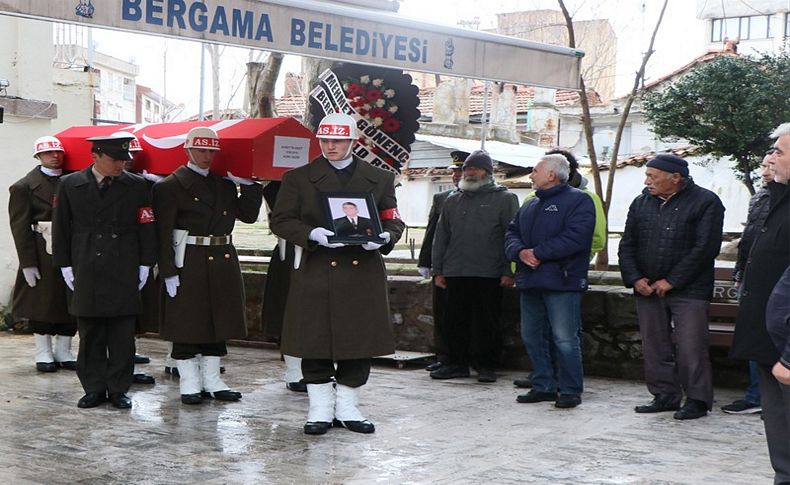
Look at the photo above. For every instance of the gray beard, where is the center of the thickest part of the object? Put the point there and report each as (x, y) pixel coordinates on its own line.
(474, 185)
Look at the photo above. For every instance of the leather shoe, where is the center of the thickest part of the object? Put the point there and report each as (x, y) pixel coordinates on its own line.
(525, 383)
(316, 427)
(46, 366)
(224, 395)
(120, 400)
(296, 386)
(143, 379)
(536, 396)
(486, 375)
(365, 427)
(692, 409)
(191, 399)
(141, 359)
(91, 400)
(567, 401)
(435, 366)
(68, 365)
(450, 372)
(659, 404)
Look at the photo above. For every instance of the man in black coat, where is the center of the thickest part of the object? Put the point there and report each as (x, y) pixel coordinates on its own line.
(352, 224)
(768, 258)
(671, 239)
(104, 243)
(426, 253)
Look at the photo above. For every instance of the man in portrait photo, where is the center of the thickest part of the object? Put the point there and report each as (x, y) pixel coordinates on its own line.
(352, 224)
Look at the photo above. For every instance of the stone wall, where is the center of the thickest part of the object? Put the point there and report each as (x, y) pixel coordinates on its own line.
(610, 337)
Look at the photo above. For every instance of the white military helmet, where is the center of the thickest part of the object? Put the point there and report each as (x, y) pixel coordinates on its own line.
(47, 144)
(134, 143)
(337, 126)
(202, 137)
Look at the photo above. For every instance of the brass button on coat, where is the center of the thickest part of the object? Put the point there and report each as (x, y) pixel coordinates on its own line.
(227, 256)
(333, 264)
(355, 262)
(197, 200)
(211, 258)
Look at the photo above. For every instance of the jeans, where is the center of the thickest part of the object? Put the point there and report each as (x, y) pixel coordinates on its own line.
(753, 391)
(550, 328)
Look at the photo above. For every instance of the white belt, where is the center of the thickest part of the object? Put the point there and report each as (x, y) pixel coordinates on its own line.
(45, 229)
(209, 240)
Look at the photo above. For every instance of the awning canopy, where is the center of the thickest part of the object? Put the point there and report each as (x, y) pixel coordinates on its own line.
(520, 155)
(320, 29)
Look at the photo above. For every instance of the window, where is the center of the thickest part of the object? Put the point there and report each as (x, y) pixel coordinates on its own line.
(752, 27)
(128, 89)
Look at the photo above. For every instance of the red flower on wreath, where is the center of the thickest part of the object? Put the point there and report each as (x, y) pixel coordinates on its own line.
(390, 125)
(380, 113)
(373, 95)
(355, 90)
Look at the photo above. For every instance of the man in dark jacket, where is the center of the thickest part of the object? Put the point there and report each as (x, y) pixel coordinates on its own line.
(671, 239)
(767, 261)
(37, 280)
(204, 305)
(550, 239)
(335, 340)
(759, 205)
(469, 261)
(352, 224)
(439, 295)
(104, 243)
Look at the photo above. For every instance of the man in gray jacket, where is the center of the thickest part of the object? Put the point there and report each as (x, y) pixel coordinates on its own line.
(469, 262)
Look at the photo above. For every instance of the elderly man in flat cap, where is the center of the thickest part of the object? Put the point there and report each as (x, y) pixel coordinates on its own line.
(671, 239)
(104, 243)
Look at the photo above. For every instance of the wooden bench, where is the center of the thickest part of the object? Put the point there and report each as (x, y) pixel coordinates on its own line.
(723, 310)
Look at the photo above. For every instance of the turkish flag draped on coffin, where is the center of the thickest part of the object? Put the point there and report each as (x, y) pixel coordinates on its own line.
(258, 148)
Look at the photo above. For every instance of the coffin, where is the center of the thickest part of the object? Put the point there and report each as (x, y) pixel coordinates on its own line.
(258, 148)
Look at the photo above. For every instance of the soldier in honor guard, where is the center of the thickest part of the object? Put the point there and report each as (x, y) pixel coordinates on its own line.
(204, 304)
(39, 291)
(336, 339)
(104, 243)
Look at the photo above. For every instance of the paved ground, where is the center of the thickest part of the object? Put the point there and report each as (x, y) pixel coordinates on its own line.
(427, 432)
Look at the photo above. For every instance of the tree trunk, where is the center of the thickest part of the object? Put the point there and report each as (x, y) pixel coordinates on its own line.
(746, 176)
(261, 79)
(214, 54)
(312, 67)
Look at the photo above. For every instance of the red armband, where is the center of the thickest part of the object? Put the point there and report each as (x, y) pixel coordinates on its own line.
(389, 214)
(145, 215)
(54, 201)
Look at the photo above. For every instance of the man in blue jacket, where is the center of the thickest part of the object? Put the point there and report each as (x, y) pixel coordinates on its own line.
(550, 240)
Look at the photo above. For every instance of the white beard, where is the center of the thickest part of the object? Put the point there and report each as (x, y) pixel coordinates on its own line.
(474, 184)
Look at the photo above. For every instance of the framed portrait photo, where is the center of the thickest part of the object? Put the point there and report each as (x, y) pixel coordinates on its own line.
(353, 217)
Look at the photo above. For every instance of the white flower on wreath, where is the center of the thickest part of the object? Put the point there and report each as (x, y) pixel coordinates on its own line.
(389, 93)
(380, 103)
(364, 79)
(377, 121)
(378, 82)
(367, 106)
(393, 109)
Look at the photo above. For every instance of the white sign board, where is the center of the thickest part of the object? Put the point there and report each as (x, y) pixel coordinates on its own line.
(291, 151)
(330, 31)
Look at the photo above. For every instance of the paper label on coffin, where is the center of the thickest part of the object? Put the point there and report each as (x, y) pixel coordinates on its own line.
(259, 148)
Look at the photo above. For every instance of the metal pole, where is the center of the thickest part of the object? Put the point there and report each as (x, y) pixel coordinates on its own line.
(484, 119)
(202, 79)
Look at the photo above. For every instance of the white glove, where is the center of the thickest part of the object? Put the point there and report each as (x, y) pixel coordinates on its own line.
(152, 176)
(171, 284)
(31, 276)
(239, 180)
(68, 276)
(424, 272)
(319, 235)
(144, 270)
(282, 247)
(371, 246)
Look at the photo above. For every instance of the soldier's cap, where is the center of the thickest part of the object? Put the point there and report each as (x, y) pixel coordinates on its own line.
(458, 157)
(115, 146)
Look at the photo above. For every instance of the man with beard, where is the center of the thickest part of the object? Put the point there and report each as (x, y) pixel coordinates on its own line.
(469, 262)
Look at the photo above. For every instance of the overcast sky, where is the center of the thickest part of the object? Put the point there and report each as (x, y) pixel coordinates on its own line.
(680, 39)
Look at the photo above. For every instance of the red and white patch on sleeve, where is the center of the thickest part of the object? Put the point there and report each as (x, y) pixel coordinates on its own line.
(389, 214)
(54, 201)
(145, 215)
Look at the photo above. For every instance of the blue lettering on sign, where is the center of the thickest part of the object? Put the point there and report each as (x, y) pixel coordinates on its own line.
(152, 11)
(363, 42)
(242, 23)
(175, 13)
(198, 21)
(297, 32)
(220, 22)
(130, 10)
(314, 35)
(264, 29)
(346, 40)
(400, 47)
(329, 45)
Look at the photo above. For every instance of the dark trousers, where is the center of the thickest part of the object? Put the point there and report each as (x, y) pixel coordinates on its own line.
(106, 356)
(351, 373)
(675, 346)
(439, 300)
(68, 329)
(775, 398)
(188, 351)
(474, 306)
